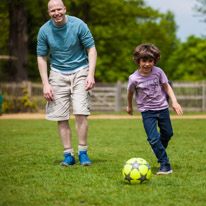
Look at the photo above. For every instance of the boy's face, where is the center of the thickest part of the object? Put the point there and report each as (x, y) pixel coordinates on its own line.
(146, 66)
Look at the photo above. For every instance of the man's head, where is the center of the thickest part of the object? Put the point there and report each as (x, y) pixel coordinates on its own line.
(57, 11)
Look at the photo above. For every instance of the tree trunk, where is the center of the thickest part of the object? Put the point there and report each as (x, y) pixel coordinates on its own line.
(18, 41)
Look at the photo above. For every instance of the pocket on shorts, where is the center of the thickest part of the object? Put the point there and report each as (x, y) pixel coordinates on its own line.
(56, 78)
(83, 72)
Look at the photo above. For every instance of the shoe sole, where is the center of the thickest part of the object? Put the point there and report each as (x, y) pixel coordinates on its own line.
(65, 164)
(165, 173)
(86, 164)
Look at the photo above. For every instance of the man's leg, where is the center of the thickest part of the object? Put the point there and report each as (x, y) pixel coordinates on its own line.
(82, 130)
(81, 109)
(65, 135)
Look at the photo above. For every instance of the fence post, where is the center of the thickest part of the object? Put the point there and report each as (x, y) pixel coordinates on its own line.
(28, 86)
(118, 99)
(203, 96)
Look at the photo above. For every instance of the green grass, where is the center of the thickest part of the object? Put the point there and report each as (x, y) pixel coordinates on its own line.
(31, 152)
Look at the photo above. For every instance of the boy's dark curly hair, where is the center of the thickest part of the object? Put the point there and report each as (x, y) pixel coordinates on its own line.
(146, 51)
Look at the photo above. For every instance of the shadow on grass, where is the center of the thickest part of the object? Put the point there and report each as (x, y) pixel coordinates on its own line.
(154, 170)
(124, 183)
(95, 161)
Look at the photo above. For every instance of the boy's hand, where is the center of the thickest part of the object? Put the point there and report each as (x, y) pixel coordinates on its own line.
(177, 108)
(130, 110)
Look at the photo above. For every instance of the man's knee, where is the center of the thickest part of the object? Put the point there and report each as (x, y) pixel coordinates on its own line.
(81, 118)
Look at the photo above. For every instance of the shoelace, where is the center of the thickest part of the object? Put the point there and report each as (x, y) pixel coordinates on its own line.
(69, 158)
(84, 157)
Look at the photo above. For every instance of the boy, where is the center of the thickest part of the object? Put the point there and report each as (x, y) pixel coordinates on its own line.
(151, 85)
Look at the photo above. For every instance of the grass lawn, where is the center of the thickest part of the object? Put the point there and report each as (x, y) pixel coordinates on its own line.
(30, 153)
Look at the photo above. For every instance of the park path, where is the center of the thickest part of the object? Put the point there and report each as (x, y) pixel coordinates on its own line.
(102, 116)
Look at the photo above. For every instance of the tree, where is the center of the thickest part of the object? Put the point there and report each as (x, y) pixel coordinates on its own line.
(189, 60)
(201, 9)
(4, 30)
(18, 40)
(162, 33)
(118, 26)
(36, 18)
(20, 21)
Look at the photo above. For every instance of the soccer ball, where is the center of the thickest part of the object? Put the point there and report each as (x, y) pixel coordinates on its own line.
(136, 171)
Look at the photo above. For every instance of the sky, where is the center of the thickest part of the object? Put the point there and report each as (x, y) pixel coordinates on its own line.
(187, 20)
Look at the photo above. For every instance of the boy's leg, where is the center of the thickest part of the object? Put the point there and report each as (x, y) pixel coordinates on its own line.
(150, 119)
(166, 131)
(153, 136)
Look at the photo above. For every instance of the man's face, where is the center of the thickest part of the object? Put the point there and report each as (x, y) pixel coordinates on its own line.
(57, 11)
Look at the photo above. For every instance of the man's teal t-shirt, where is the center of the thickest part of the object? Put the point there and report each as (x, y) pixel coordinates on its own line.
(65, 45)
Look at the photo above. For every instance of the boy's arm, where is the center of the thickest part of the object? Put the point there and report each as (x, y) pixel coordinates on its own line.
(129, 102)
(47, 89)
(177, 108)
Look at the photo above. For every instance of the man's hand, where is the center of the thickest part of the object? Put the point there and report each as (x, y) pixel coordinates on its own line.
(89, 83)
(48, 92)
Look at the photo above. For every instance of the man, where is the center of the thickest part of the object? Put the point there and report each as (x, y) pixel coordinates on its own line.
(65, 39)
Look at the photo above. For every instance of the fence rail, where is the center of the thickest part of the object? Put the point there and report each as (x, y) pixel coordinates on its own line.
(111, 96)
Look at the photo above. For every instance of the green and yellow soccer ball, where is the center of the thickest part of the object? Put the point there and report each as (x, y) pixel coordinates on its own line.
(136, 171)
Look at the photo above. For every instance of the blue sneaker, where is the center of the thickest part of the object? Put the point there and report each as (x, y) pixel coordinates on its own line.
(84, 159)
(165, 170)
(69, 160)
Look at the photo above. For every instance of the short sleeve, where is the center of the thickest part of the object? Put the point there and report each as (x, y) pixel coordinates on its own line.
(85, 36)
(131, 85)
(163, 77)
(42, 44)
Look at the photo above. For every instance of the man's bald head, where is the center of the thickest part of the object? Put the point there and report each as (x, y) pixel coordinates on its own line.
(57, 11)
(55, 2)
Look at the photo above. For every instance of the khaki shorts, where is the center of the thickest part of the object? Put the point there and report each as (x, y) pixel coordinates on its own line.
(68, 89)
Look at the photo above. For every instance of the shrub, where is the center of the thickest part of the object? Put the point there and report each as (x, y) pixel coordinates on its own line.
(17, 104)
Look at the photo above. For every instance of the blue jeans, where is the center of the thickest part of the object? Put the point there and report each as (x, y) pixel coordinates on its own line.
(158, 140)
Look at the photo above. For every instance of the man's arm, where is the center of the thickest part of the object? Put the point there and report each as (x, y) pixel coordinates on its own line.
(177, 108)
(92, 57)
(47, 90)
(129, 102)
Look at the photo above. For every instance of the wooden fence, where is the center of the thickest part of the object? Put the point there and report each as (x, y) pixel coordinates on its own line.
(111, 97)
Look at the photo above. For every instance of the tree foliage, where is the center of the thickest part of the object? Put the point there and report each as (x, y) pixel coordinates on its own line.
(118, 26)
(201, 8)
(188, 61)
